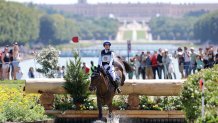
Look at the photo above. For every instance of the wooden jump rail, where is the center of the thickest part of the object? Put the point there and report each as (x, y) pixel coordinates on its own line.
(139, 87)
(133, 88)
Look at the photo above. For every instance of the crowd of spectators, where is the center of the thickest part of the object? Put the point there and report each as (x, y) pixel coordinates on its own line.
(160, 64)
(147, 65)
(9, 62)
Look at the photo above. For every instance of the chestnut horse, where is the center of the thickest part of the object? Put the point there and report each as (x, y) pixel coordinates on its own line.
(105, 88)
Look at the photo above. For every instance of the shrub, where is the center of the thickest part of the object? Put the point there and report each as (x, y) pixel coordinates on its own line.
(48, 59)
(191, 96)
(65, 102)
(77, 82)
(15, 106)
(160, 103)
(120, 102)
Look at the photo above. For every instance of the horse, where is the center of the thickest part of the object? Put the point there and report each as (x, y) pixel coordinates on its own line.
(105, 90)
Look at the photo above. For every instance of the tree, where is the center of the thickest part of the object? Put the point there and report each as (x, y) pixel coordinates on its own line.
(206, 28)
(55, 29)
(18, 23)
(77, 82)
(48, 59)
(172, 28)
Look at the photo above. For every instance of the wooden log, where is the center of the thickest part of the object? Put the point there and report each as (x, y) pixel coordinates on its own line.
(54, 86)
(121, 113)
(139, 87)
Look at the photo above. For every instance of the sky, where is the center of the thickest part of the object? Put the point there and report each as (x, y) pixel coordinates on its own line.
(115, 1)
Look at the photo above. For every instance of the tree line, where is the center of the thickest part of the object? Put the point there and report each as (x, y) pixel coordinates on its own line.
(168, 28)
(206, 28)
(18, 23)
(199, 25)
(26, 23)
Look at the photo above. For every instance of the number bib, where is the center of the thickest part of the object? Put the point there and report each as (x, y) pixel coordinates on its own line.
(106, 58)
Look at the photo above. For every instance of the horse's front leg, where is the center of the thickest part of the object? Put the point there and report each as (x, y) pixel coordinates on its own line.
(110, 109)
(99, 109)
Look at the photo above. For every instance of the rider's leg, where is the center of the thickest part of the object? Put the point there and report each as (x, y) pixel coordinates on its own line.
(113, 75)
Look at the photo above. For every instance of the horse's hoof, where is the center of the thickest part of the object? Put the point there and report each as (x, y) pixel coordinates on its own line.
(102, 119)
(110, 116)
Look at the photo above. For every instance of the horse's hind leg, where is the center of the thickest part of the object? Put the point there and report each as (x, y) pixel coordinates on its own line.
(99, 109)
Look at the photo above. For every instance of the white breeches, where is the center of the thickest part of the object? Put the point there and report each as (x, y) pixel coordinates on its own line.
(111, 71)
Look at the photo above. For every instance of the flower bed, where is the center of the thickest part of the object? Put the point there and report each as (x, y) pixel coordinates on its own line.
(15, 106)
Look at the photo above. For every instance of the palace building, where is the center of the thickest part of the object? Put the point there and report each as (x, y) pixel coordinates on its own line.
(133, 10)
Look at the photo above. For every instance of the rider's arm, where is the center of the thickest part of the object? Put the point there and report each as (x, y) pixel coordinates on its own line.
(2, 58)
(100, 61)
(112, 59)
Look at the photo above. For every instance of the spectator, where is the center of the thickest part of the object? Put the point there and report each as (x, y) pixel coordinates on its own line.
(160, 63)
(201, 53)
(187, 61)
(142, 65)
(181, 61)
(11, 67)
(63, 69)
(137, 66)
(148, 66)
(60, 73)
(92, 67)
(200, 63)
(216, 57)
(166, 62)
(15, 59)
(19, 73)
(210, 58)
(205, 58)
(130, 74)
(5, 63)
(31, 73)
(193, 63)
(85, 68)
(1, 65)
(154, 64)
(171, 69)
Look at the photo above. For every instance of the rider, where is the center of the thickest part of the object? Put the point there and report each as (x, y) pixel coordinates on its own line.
(106, 60)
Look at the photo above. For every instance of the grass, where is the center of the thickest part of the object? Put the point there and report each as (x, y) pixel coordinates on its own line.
(71, 46)
(19, 84)
(127, 35)
(140, 35)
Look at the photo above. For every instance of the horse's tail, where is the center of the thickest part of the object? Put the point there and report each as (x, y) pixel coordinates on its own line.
(127, 67)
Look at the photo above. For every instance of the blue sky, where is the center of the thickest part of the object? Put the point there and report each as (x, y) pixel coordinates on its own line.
(115, 1)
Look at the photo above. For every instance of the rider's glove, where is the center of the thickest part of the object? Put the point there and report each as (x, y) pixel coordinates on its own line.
(98, 69)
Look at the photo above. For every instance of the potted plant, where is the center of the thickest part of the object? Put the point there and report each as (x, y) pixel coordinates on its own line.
(77, 82)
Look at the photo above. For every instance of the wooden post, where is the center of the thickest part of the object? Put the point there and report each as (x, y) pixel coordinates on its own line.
(47, 100)
(133, 102)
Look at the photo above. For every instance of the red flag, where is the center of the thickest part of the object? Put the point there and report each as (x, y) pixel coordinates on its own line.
(75, 39)
(201, 83)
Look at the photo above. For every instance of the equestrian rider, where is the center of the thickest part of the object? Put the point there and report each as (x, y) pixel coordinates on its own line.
(106, 60)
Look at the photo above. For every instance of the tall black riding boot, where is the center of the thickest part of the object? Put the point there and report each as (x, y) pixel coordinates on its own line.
(117, 86)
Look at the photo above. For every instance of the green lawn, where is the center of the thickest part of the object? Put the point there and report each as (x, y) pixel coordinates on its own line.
(13, 83)
(140, 35)
(127, 35)
(72, 46)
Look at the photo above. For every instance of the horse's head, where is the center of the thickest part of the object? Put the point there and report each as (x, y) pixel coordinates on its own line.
(94, 79)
